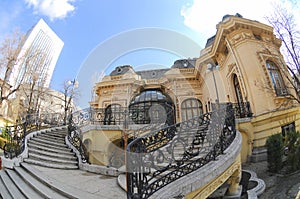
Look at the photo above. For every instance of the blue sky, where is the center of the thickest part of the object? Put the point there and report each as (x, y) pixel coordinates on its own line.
(83, 25)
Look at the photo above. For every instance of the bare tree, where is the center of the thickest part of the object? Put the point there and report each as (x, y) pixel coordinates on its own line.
(70, 92)
(285, 28)
(11, 57)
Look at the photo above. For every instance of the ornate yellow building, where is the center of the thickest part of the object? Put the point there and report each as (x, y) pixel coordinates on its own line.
(241, 64)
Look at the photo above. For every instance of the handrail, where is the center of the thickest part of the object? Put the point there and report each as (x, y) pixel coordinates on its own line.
(162, 156)
(74, 136)
(32, 122)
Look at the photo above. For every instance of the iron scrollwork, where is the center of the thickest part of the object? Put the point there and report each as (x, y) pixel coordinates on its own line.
(242, 110)
(74, 136)
(164, 155)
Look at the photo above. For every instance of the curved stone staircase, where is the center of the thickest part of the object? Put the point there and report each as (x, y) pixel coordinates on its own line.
(46, 148)
(49, 149)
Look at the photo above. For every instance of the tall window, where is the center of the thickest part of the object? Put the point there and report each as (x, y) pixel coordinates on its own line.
(237, 88)
(276, 78)
(286, 129)
(191, 108)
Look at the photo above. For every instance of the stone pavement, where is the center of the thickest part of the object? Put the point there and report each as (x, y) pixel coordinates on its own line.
(277, 186)
(104, 187)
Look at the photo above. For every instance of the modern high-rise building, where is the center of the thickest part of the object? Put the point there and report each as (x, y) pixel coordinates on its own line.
(38, 55)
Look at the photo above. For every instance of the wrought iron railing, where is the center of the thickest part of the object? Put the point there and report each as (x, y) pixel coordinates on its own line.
(116, 116)
(242, 110)
(75, 138)
(163, 156)
(15, 134)
(124, 117)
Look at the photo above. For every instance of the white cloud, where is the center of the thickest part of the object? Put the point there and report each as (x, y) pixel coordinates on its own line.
(202, 16)
(54, 9)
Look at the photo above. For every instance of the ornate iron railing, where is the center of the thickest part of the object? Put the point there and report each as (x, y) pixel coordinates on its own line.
(163, 156)
(15, 134)
(116, 116)
(242, 110)
(124, 117)
(75, 138)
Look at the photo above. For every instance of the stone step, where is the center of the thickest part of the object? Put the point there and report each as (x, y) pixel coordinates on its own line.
(51, 138)
(41, 140)
(10, 186)
(69, 156)
(50, 165)
(37, 146)
(56, 133)
(45, 190)
(35, 142)
(3, 190)
(24, 187)
(62, 188)
(51, 159)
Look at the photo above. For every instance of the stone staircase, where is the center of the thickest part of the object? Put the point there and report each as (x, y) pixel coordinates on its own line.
(48, 149)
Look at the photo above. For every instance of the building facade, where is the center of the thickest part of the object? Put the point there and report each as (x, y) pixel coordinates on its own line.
(241, 64)
(38, 55)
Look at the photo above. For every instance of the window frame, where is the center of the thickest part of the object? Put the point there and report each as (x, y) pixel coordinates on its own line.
(276, 78)
(189, 111)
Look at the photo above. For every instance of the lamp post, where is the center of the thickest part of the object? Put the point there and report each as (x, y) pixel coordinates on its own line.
(69, 94)
(211, 68)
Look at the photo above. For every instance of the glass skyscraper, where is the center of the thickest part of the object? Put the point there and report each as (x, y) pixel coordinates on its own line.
(39, 54)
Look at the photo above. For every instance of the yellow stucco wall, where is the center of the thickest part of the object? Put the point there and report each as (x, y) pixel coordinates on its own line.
(101, 144)
(255, 131)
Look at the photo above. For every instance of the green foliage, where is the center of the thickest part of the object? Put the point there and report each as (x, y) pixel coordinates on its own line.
(4, 134)
(293, 144)
(275, 148)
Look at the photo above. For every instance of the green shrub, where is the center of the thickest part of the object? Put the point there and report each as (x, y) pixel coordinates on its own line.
(293, 144)
(275, 148)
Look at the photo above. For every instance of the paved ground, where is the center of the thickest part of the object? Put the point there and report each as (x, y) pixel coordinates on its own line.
(101, 186)
(277, 186)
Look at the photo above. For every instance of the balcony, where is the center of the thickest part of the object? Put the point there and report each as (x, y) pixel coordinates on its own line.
(242, 110)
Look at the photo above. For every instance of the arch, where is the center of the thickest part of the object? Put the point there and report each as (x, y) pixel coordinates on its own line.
(190, 108)
(276, 78)
(152, 106)
(113, 114)
(87, 144)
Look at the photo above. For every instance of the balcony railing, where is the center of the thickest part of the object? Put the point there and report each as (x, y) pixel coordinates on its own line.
(242, 110)
(165, 155)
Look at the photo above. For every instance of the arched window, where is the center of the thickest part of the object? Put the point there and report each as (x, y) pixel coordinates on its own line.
(191, 108)
(237, 88)
(276, 78)
(113, 113)
(152, 106)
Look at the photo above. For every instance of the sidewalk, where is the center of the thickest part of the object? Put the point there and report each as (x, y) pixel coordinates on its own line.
(277, 186)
